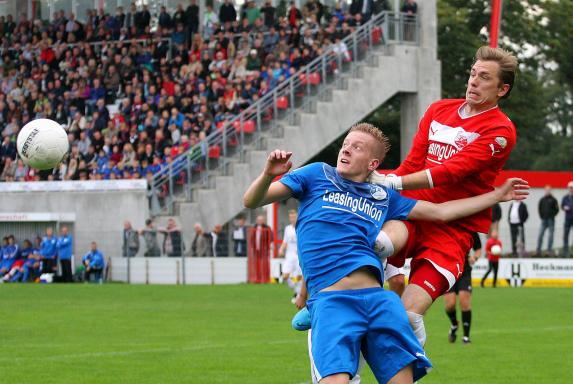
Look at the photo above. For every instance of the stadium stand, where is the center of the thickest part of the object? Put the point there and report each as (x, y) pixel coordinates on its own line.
(132, 100)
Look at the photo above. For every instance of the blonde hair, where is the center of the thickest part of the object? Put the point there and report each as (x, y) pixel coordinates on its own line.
(507, 64)
(382, 140)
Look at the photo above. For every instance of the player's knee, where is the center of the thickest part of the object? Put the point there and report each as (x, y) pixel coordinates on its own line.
(417, 324)
(397, 232)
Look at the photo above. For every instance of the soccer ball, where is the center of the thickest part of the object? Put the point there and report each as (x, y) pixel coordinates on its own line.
(495, 250)
(42, 144)
(47, 278)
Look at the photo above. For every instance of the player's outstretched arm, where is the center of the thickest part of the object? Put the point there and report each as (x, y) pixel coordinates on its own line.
(512, 189)
(263, 191)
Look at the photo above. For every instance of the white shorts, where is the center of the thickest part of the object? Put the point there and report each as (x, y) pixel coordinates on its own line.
(291, 266)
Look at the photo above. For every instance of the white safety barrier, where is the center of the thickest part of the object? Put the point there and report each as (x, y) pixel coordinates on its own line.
(169, 270)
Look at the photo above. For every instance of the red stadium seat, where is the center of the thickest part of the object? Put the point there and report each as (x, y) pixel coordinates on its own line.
(214, 152)
(303, 79)
(314, 78)
(220, 125)
(376, 35)
(249, 126)
(282, 102)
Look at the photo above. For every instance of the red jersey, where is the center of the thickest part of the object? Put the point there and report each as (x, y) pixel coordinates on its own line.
(463, 155)
(490, 243)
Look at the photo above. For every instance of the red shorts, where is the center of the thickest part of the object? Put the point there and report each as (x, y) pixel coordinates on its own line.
(438, 253)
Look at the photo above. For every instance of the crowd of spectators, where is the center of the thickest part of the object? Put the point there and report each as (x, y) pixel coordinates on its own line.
(216, 242)
(131, 106)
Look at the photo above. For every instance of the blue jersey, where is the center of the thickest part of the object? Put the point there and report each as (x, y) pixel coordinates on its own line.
(10, 252)
(25, 252)
(48, 247)
(95, 259)
(338, 222)
(64, 245)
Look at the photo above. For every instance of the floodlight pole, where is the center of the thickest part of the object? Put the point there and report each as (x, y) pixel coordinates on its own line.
(495, 22)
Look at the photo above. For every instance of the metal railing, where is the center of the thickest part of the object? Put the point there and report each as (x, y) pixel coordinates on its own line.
(194, 168)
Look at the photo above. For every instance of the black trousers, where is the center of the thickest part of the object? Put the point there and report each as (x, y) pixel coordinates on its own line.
(49, 266)
(514, 230)
(66, 270)
(493, 266)
(93, 271)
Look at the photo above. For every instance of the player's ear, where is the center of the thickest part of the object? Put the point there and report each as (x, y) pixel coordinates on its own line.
(502, 91)
(373, 165)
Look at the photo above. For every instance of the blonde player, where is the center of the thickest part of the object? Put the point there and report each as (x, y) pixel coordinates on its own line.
(292, 273)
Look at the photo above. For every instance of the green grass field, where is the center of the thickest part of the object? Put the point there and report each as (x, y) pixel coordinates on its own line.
(241, 334)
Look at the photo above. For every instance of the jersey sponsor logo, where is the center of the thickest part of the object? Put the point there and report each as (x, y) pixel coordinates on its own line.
(378, 192)
(426, 282)
(441, 152)
(352, 204)
(446, 141)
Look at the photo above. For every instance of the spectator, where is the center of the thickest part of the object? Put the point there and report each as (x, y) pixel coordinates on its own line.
(240, 237)
(173, 242)
(567, 206)
(218, 242)
(269, 13)
(263, 236)
(94, 264)
(149, 234)
(548, 208)
(227, 14)
(252, 13)
(410, 8)
(164, 20)
(49, 251)
(65, 250)
(517, 217)
(192, 17)
(210, 21)
(294, 15)
(130, 240)
(200, 247)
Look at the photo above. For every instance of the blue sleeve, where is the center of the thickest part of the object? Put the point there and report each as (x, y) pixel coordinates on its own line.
(399, 207)
(298, 180)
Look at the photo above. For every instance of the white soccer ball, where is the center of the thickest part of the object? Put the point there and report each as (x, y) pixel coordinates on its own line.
(47, 278)
(42, 144)
(495, 250)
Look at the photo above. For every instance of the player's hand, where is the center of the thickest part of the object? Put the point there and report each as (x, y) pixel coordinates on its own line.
(390, 180)
(513, 189)
(278, 163)
(281, 253)
(300, 301)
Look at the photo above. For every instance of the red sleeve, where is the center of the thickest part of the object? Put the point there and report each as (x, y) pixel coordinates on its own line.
(415, 161)
(489, 151)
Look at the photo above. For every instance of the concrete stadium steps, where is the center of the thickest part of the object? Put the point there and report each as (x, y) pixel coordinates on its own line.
(389, 71)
